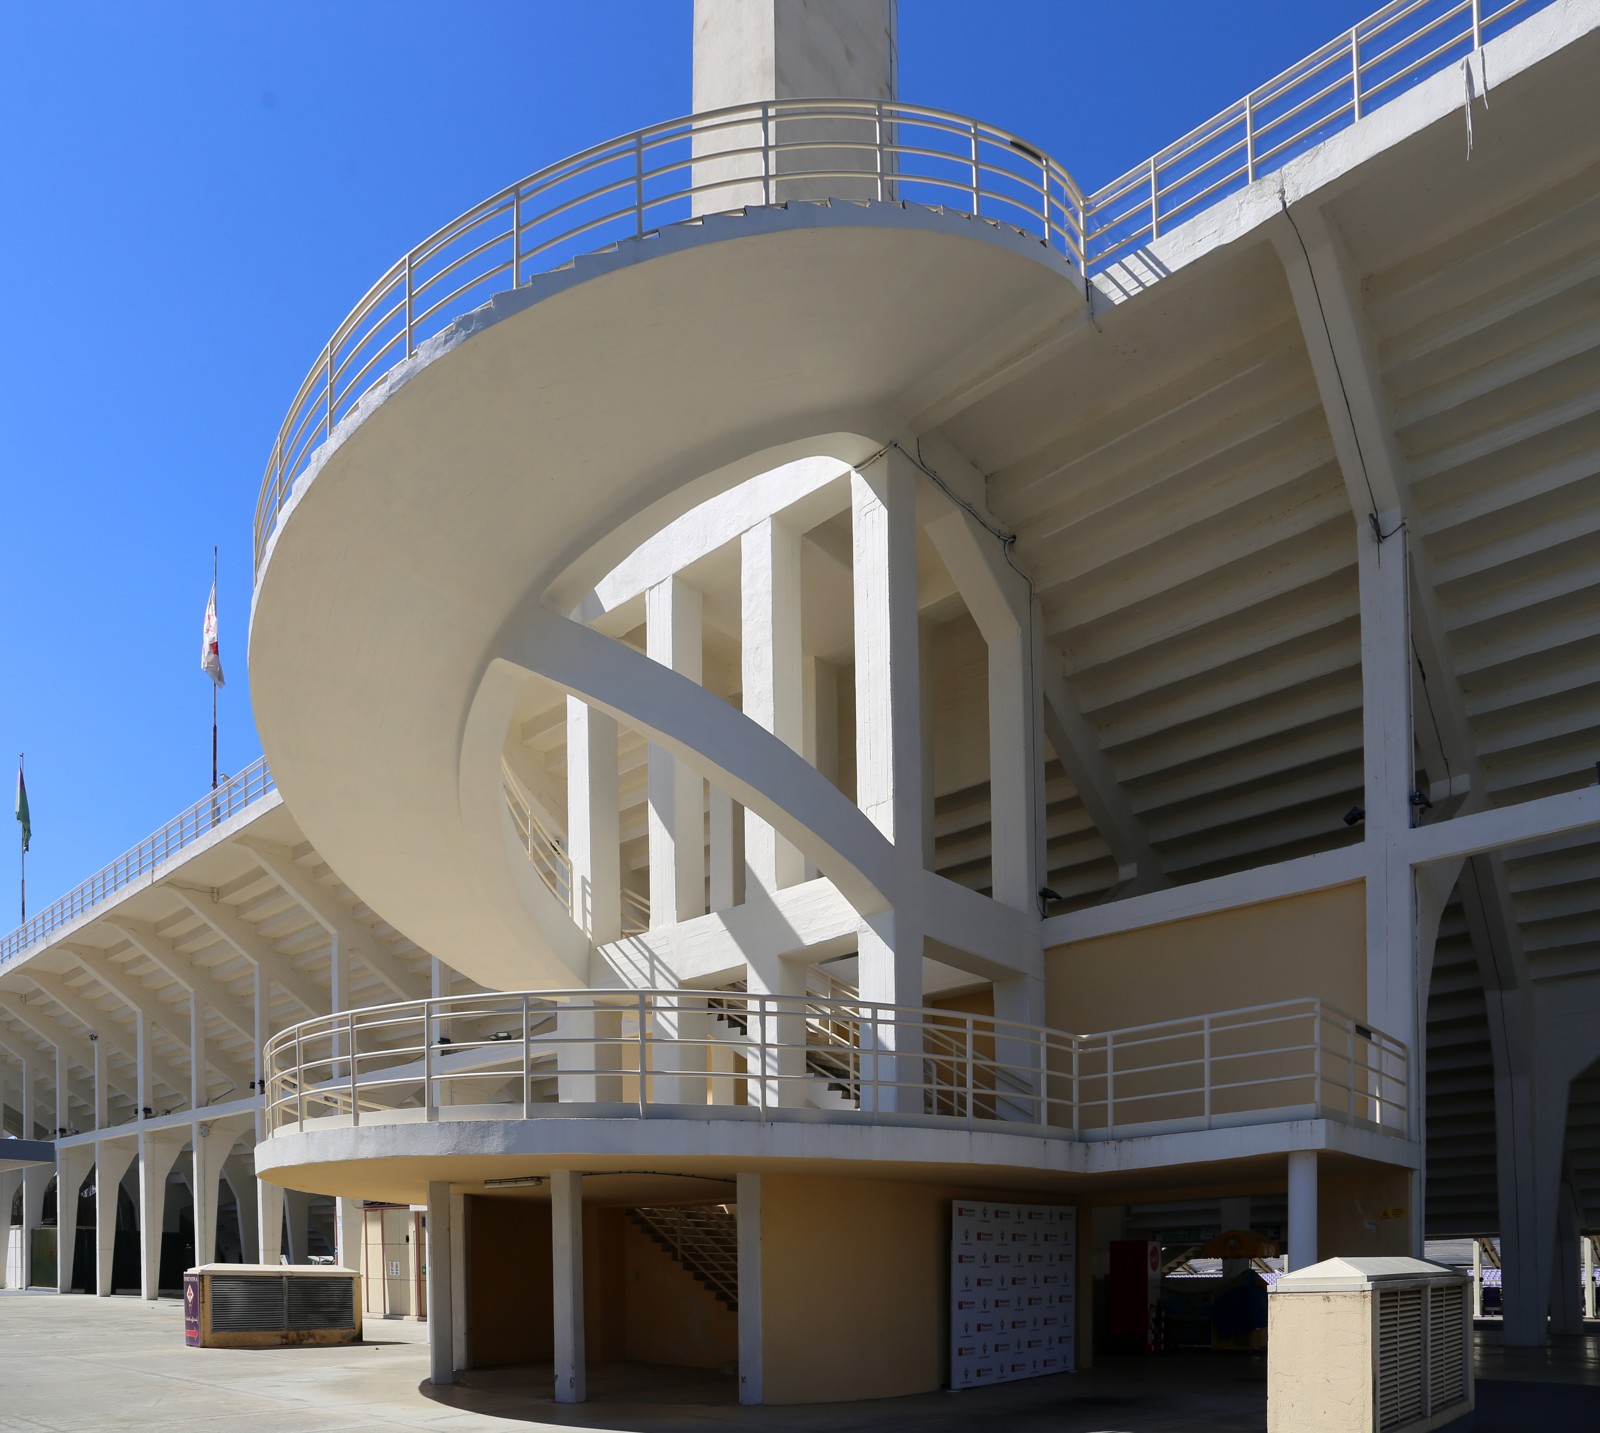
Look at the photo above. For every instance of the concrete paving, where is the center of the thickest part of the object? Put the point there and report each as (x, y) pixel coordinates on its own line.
(74, 1364)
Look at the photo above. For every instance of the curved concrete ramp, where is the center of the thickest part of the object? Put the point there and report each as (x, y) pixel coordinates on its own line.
(514, 460)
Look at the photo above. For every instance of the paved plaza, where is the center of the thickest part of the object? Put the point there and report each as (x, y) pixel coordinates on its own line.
(73, 1364)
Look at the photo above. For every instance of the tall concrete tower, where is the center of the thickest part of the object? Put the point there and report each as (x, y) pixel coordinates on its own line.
(751, 52)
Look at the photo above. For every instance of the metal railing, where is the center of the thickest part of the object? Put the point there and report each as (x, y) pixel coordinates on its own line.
(717, 161)
(199, 820)
(782, 150)
(739, 1055)
(1376, 61)
(547, 854)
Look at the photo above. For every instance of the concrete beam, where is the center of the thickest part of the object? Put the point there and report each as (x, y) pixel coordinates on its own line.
(237, 932)
(163, 954)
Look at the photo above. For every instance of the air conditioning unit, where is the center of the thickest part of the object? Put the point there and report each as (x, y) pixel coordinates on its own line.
(1378, 1345)
(270, 1305)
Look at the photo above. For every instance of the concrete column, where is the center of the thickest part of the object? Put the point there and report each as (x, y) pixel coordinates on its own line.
(63, 1102)
(72, 1168)
(10, 1182)
(776, 1056)
(441, 1314)
(197, 1053)
(678, 1051)
(297, 1217)
(748, 1213)
(157, 1153)
(205, 1186)
(883, 504)
(1588, 1277)
(772, 678)
(890, 972)
(460, 1273)
(269, 1222)
(1015, 777)
(111, 1161)
(677, 834)
(1020, 1000)
(1302, 1209)
(727, 851)
(1477, 1278)
(347, 1225)
(593, 840)
(584, 1066)
(566, 1253)
(1234, 1214)
(102, 1082)
(242, 1181)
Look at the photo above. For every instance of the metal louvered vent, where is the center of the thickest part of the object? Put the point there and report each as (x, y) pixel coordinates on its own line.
(1400, 1358)
(241, 1304)
(1447, 1343)
(321, 1303)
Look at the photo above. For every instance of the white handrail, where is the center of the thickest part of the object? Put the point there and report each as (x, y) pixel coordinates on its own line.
(787, 150)
(210, 811)
(703, 1053)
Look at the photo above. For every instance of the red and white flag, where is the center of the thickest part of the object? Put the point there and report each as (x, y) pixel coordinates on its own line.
(210, 653)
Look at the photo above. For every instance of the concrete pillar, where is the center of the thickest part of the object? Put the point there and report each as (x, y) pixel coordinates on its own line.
(269, 1222)
(236, 1169)
(677, 834)
(1015, 775)
(1477, 1278)
(883, 504)
(157, 1154)
(1566, 1300)
(111, 1161)
(890, 972)
(772, 678)
(205, 1185)
(1019, 1000)
(678, 1050)
(593, 840)
(776, 1056)
(72, 1168)
(297, 1217)
(727, 851)
(10, 1182)
(348, 1215)
(63, 1102)
(746, 51)
(197, 1053)
(1302, 1208)
(1234, 1214)
(748, 1213)
(566, 1254)
(102, 1082)
(584, 1066)
(1588, 1277)
(441, 1313)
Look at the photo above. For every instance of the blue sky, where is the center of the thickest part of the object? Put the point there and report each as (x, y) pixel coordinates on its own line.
(197, 193)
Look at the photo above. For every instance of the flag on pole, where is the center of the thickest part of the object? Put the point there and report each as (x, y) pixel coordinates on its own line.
(22, 809)
(210, 653)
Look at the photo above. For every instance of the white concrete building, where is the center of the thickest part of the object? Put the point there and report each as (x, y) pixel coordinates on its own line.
(816, 673)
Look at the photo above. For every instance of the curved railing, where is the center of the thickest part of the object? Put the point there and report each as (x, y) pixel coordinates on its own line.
(781, 150)
(733, 1054)
(713, 162)
(201, 819)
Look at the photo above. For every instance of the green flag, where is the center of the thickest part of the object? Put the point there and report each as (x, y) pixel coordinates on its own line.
(22, 810)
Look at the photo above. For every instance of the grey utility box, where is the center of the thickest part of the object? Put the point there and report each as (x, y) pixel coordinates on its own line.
(1368, 1346)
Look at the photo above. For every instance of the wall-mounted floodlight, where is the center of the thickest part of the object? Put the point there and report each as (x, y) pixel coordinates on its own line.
(1355, 815)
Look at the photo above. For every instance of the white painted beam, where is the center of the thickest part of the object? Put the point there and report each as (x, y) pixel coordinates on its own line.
(593, 841)
(237, 932)
(566, 1253)
(677, 836)
(165, 956)
(1505, 826)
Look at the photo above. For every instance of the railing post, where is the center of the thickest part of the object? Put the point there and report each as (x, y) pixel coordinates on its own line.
(644, 1057)
(1155, 218)
(1316, 1057)
(1205, 1069)
(516, 236)
(766, 152)
(977, 197)
(1076, 1088)
(350, 1038)
(428, 1111)
(1477, 24)
(1250, 139)
(1355, 72)
(1042, 1036)
(972, 1075)
(327, 378)
(300, 1080)
(762, 1064)
(638, 185)
(1111, 1092)
(411, 347)
(877, 140)
(527, 1063)
(1350, 1078)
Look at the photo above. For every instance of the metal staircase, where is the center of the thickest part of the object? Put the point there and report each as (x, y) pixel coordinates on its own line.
(704, 1239)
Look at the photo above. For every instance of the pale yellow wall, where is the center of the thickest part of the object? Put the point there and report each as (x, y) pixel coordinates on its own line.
(1319, 1363)
(1311, 944)
(855, 1286)
(669, 1317)
(1361, 1213)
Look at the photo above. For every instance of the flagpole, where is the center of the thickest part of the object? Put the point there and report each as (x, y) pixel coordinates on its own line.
(22, 850)
(213, 685)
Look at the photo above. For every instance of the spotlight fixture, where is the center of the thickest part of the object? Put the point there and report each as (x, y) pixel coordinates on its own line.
(1419, 799)
(1355, 815)
(444, 1040)
(1046, 895)
(94, 1037)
